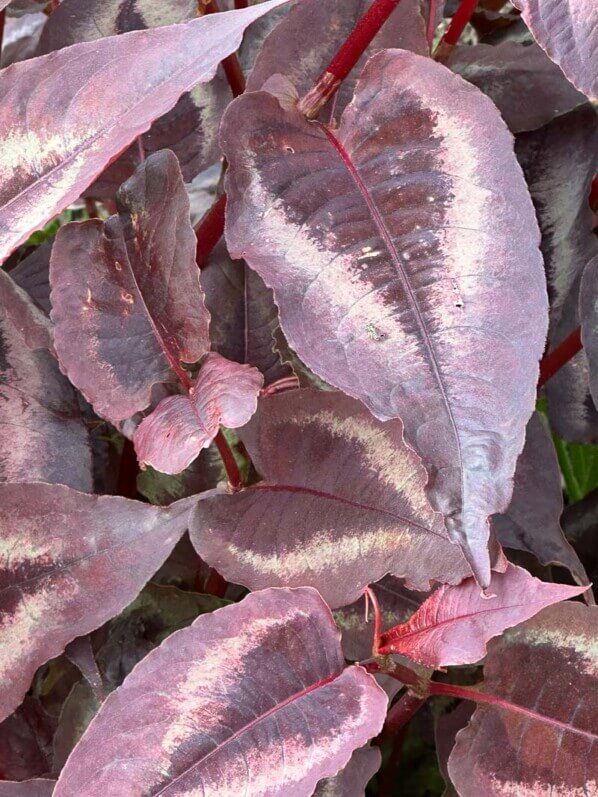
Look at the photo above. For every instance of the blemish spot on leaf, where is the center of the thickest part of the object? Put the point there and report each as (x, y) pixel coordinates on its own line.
(374, 332)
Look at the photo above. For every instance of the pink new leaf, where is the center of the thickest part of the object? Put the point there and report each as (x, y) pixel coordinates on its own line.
(454, 624)
(176, 431)
(253, 698)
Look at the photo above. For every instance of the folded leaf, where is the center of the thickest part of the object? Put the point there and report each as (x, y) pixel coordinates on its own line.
(173, 435)
(66, 115)
(568, 31)
(232, 705)
(126, 301)
(42, 434)
(352, 780)
(342, 504)
(454, 624)
(532, 521)
(68, 563)
(551, 748)
(394, 246)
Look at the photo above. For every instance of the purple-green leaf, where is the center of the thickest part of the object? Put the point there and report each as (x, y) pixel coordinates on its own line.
(66, 115)
(176, 431)
(342, 503)
(401, 247)
(251, 699)
(127, 305)
(68, 563)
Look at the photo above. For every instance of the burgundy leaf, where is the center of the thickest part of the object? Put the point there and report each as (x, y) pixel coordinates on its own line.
(397, 604)
(126, 301)
(26, 742)
(532, 521)
(39, 787)
(352, 780)
(78, 710)
(454, 624)
(244, 318)
(42, 434)
(446, 727)
(394, 246)
(33, 275)
(66, 115)
(588, 298)
(173, 435)
(69, 562)
(342, 504)
(580, 524)
(526, 86)
(297, 49)
(559, 162)
(568, 31)
(21, 37)
(190, 128)
(551, 749)
(232, 705)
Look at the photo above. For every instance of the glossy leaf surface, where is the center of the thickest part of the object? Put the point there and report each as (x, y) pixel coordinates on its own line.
(455, 623)
(552, 750)
(342, 504)
(217, 707)
(69, 562)
(568, 31)
(42, 434)
(389, 247)
(173, 435)
(126, 301)
(532, 521)
(48, 159)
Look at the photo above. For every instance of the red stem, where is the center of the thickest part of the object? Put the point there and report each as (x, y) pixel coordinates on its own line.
(230, 64)
(555, 360)
(370, 595)
(126, 483)
(209, 230)
(462, 16)
(467, 693)
(347, 56)
(402, 711)
(2, 21)
(431, 24)
(594, 195)
(229, 461)
(240, 3)
(215, 584)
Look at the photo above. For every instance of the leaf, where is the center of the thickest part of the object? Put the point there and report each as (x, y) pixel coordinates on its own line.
(588, 309)
(190, 128)
(446, 727)
(68, 563)
(78, 710)
(203, 474)
(454, 624)
(342, 504)
(42, 434)
(232, 705)
(40, 787)
(33, 275)
(551, 749)
(52, 147)
(569, 34)
(176, 431)
(244, 318)
(26, 741)
(532, 521)
(357, 231)
(581, 529)
(526, 86)
(559, 162)
(352, 779)
(126, 301)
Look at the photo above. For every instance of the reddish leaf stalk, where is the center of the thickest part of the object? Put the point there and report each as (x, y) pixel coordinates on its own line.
(240, 3)
(231, 65)
(370, 595)
(402, 712)
(462, 16)
(215, 584)
(431, 24)
(347, 56)
(555, 360)
(229, 461)
(209, 230)
(2, 20)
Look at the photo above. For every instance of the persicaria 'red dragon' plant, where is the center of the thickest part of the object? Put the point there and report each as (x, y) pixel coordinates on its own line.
(298, 365)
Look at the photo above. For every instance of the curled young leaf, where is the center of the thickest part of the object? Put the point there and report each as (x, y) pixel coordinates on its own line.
(68, 563)
(394, 246)
(455, 623)
(568, 31)
(232, 705)
(126, 301)
(532, 521)
(42, 434)
(176, 431)
(550, 746)
(108, 92)
(342, 504)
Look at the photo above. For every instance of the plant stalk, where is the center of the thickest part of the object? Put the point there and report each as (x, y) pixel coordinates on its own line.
(230, 64)
(209, 230)
(228, 459)
(347, 56)
(402, 712)
(558, 357)
(431, 24)
(462, 16)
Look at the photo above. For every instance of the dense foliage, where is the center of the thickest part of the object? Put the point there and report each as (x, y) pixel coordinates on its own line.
(298, 398)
